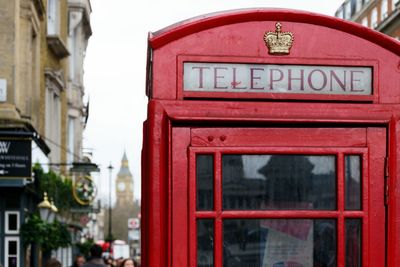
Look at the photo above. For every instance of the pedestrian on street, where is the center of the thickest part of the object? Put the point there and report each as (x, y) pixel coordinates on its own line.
(79, 261)
(129, 263)
(95, 260)
(53, 262)
(109, 262)
(118, 261)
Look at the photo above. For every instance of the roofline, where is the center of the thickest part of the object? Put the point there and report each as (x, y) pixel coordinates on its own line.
(212, 20)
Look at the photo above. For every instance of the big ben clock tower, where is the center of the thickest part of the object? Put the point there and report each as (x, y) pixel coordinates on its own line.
(124, 184)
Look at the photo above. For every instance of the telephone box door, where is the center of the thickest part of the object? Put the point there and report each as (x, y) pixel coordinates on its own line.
(278, 197)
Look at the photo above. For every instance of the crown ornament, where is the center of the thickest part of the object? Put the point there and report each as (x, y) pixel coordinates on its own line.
(278, 42)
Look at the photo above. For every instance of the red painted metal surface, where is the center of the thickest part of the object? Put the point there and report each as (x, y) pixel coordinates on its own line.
(377, 154)
(200, 137)
(213, 20)
(238, 36)
(179, 124)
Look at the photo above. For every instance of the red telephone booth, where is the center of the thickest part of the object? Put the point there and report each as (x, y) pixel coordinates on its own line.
(272, 140)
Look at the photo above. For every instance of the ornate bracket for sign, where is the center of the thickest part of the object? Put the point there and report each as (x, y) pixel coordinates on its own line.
(278, 42)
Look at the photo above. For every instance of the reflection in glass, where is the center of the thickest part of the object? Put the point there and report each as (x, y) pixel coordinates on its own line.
(205, 243)
(279, 242)
(352, 184)
(205, 182)
(353, 243)
(271, 182)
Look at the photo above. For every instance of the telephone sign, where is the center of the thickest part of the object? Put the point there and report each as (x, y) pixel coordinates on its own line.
(294, 79)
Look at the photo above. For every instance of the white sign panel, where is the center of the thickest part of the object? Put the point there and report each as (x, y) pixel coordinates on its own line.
(133, 223)
(265, 78)
(121, 251)
(134, 234)
(3, 90)
(289, 246)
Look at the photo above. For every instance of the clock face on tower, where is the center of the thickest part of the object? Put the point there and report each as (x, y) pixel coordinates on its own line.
(121, 186)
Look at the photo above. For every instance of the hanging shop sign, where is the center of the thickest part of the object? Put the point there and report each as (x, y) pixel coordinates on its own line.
(282, 79)
(15, 158)
(84, 190)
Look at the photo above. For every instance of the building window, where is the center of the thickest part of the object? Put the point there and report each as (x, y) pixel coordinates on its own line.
(73, 55)
(71, 139)
(11, 222)
(384, 9)
(339, 13)
(374, 18)
(364, 22)
(11, 254)
(53, 122)
(53, 17)
(394, 2)
(358, 5)
(347, 10)
(54, 86)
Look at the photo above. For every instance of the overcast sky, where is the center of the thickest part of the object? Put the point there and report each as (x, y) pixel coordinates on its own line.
(115, 70)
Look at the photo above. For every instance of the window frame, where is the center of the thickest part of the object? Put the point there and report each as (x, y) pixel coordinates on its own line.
(374, 18)
(219, 214)
(53, 17)
(7, 231)
(7, 239)
(384, 9)
(187, 142)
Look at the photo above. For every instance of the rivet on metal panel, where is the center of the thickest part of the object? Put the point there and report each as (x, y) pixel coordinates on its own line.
(222, 138)
(210, 138)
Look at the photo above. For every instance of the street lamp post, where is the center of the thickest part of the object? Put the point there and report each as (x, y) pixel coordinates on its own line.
(110, 168)
(47, 209)
(47, 212)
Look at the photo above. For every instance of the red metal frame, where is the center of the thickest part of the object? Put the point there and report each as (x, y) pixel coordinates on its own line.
(371, 255)
(226, 37)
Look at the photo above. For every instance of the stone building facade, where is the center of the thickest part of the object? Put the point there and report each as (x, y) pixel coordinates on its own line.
(380, 15)
(42, 47)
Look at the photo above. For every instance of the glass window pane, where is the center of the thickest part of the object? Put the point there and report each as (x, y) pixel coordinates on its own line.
(205, 243)
(353, 182)
(12, 222)
(279, 242)
(12, 261)
(272, 182)
(353, 243)
(384, 9)
(12, 247)
(205, 182)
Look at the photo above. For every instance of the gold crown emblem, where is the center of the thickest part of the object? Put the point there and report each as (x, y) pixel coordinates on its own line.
(278, 42)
